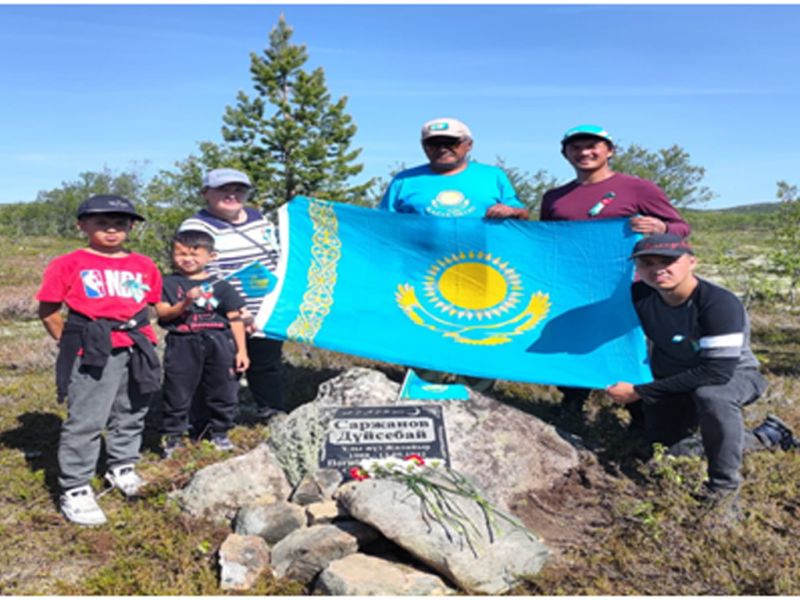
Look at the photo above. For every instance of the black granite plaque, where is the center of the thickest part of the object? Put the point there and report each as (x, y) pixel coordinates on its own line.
(356, 433)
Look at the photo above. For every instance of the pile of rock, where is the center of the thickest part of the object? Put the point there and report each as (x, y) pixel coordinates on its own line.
(378, 537)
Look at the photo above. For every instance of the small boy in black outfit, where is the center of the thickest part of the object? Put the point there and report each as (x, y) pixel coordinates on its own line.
(205, 346)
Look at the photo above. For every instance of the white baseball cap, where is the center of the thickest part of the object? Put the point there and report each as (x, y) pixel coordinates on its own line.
(445, 127)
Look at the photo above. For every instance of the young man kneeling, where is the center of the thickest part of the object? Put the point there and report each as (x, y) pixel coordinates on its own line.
(703, 367)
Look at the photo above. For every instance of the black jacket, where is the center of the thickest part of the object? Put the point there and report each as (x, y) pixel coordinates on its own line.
(94, 336)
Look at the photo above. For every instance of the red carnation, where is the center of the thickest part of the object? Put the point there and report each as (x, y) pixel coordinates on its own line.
(415, 458)
(358, 473)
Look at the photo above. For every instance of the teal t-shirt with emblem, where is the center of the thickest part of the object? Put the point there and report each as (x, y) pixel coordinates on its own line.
(466, 194)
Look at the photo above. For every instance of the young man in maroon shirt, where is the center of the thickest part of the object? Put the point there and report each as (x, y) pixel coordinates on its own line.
(597, 192)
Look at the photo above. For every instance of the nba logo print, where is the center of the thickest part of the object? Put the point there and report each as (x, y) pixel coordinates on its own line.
(93, 284)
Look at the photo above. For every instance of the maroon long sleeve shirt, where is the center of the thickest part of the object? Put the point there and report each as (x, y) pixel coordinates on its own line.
(618, 196)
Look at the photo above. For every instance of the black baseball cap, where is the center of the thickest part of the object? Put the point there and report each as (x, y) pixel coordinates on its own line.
(108, 204)
(662, 244)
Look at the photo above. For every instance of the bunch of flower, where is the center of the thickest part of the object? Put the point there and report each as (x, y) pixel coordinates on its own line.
(436, 486)
(391, 466)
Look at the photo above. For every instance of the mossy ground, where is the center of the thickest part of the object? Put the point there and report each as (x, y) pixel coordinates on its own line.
(653, 537)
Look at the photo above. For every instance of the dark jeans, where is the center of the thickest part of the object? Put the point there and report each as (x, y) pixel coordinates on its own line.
(717, 409)
(199, 376)
(574, 397)
(264, 377)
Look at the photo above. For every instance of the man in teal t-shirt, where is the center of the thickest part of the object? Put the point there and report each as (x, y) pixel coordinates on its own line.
(450, 185)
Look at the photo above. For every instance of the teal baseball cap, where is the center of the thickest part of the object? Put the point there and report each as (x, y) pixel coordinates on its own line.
(587, 130)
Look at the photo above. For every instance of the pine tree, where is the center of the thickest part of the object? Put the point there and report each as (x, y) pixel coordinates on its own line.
(786, 241)
(669, 168)
(530, 187)
(290, 137)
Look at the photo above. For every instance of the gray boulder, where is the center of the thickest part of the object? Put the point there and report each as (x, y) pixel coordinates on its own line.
(506, 451)
(298, 437)
(363, 575)
(217, 491)
(481, 553)
(485, 437)
(272, 521)
(305, 552)
(242, 560)
(317, 486)
(324, 512)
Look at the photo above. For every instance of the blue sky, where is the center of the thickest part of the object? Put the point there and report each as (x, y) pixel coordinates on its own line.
(93, 86)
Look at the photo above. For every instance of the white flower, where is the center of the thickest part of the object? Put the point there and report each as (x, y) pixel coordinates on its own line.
(412, 467)
(391, 464)
(372, 466)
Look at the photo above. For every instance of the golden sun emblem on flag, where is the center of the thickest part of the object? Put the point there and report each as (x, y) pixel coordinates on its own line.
(479, 299)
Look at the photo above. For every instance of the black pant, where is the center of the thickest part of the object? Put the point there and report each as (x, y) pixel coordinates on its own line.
(717, 409)
(575, 397)
(200, 382)
(264, 375)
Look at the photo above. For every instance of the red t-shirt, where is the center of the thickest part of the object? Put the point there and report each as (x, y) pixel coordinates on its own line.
(103, 287)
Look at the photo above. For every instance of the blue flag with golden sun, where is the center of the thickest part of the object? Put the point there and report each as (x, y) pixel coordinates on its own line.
(518, 300)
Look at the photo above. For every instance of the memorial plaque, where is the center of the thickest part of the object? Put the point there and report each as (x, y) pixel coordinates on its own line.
(356, 433)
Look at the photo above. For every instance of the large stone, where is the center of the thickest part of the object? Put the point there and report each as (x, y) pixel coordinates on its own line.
(467, 543)
(317, 486)
(363, 575)
(297, 439)
(304, 553)
(506, 451)
(217, 491)
(272, 521)
(324, 512)
(242, 560)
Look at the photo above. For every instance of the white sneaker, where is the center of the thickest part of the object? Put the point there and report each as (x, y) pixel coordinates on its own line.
(80, 507)
(126, 479)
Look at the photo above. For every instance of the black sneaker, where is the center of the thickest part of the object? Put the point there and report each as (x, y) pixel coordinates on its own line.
(691, 446)
(774, 432)
(170, 444)
(267, 413)
(222, 442)
(721, 508)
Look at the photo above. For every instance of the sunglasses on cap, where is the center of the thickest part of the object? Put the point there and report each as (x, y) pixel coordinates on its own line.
(442, 142)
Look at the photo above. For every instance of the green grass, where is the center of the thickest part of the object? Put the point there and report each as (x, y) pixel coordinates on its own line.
(650, 537)
(660, 542)
(147, 548)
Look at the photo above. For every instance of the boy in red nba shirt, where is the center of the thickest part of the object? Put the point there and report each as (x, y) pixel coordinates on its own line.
(107, 366)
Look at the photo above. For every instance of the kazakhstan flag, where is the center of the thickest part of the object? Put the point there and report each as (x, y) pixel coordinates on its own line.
(525, 301)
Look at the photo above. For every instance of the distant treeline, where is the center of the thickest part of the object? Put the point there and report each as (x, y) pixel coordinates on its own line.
(51, 218)
(756, 216)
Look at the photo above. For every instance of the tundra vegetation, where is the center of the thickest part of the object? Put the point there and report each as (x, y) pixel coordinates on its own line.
(646, 539)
